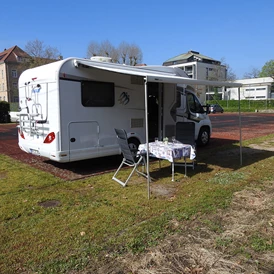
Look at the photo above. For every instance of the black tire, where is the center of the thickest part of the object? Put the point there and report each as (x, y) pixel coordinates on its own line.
(133, 145)
(204, 137)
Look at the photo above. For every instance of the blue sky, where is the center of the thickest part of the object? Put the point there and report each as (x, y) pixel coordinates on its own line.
(239, 32)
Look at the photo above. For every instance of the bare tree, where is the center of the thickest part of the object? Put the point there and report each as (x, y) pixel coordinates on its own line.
(93, 49)
(124, 53)
(107, 48)
(35, 48)
(40, 53)
(135, 55)
(115, 55)
(254, 73)
(220, 72)
(230, 75)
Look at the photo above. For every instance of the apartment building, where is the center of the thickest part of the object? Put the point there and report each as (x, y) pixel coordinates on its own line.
(202, 67)
(10, 69)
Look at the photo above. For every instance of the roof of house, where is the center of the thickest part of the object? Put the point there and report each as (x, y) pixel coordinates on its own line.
(12, 54)
(190, 56)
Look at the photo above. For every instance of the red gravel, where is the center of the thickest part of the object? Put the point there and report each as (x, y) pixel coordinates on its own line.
(68, 171)
(225, 130)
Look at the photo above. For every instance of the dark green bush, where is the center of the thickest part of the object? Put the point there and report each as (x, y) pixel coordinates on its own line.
(4, 106)
(4, 112)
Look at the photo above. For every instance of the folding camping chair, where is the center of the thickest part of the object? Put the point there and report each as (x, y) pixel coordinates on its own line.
(128, 157)
(185, 133)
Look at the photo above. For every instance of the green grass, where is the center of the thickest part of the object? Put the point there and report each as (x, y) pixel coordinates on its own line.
(259, 243)
(97, 218)
(225, 178)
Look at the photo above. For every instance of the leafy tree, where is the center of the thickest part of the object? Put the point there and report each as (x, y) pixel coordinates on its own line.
(40, 54)
(254, 73)
(267, 69)
(125, 53)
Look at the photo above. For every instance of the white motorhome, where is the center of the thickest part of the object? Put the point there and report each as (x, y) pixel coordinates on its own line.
(69, 108)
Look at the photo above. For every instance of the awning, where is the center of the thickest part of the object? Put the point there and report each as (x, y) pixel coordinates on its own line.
(158, 74)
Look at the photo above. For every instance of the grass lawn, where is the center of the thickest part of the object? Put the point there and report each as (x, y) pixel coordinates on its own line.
(48, 225)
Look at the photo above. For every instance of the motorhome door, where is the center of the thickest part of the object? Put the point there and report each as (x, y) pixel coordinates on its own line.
(83, 140)
(154, 111)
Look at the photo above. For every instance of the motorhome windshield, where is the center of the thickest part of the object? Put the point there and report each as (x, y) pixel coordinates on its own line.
(194, 104)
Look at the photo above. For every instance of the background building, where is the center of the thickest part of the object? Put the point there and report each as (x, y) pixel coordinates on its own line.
(252, 89)
(10, 69)
(199, 66)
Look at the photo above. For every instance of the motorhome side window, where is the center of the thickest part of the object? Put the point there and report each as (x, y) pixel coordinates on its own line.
(193, 104)
(97, 94)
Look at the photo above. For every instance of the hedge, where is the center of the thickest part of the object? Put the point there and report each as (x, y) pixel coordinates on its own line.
(4, 112)
(246, 105)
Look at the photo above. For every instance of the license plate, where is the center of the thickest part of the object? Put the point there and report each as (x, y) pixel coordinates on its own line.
(34, 152)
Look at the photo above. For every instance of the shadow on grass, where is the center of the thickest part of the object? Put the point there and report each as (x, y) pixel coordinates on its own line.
(220, 152)
(89, 167)
(227, 154)
(165, 172)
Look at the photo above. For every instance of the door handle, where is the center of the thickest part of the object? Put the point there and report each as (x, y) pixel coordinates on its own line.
(72, 140)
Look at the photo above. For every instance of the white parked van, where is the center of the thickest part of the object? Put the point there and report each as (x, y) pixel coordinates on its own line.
(69, 108)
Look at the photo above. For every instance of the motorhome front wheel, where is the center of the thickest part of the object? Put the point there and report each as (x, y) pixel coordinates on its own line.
(203, 137)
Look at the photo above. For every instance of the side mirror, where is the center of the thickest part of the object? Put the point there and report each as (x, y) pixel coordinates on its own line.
(207, 111)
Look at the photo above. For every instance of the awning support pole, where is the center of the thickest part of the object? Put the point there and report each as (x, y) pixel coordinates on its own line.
(147, 141)
(240, 128)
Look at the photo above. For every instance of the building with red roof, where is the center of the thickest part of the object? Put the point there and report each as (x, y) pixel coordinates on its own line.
(10, 69)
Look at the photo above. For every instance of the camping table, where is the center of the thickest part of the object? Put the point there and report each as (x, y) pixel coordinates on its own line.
(168, 151)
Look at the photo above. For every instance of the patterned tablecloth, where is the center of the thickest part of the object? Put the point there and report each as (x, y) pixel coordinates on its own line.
(169, 151)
